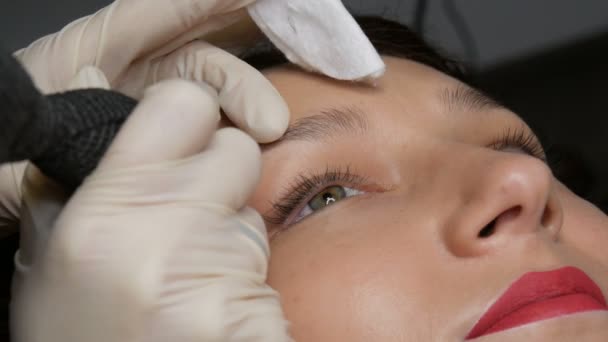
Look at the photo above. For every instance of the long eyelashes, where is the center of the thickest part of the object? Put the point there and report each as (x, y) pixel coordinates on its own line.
(520, 138)
(305, 186)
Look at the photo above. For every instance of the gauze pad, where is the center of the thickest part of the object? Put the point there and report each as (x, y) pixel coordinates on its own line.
(320, 36)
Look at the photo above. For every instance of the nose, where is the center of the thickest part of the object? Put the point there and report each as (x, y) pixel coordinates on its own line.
(507, 196)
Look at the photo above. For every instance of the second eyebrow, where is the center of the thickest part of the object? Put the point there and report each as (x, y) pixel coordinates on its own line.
(463, 97)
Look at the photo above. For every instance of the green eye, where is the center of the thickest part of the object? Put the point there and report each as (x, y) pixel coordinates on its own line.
(327, 197)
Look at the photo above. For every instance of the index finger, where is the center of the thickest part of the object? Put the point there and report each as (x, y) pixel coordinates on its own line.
(246, 96)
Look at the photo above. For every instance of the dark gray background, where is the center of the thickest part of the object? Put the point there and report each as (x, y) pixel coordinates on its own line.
(503, 29)
(544, 58)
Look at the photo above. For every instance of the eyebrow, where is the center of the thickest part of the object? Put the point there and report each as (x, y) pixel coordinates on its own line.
(328, 123)
(465, 98)
(351, 120)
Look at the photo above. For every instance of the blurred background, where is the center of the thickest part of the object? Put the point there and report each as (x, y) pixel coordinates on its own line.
(545, 59)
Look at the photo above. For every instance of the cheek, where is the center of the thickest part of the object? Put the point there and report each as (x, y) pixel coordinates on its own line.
(344, 277)
(585, 227)
(332, 275)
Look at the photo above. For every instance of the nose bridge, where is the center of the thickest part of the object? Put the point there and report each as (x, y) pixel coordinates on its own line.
(496, 197)
(453, 175)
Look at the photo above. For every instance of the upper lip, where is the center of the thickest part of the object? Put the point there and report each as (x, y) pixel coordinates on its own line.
(534, 287)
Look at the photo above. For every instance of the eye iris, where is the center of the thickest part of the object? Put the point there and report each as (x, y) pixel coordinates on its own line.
(327, 197)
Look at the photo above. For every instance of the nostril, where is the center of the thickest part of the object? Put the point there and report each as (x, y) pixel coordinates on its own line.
(490, 228)
(487, 230)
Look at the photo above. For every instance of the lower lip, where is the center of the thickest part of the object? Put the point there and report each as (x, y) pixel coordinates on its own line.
(545, 309)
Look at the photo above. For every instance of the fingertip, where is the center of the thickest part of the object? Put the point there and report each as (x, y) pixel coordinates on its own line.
(241, 144)
(265, 118)
(247, 97)
(232, 133)
(271, 124)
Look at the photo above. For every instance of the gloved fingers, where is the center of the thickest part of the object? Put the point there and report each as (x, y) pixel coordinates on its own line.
(89, 77)
(228, 171)
(111, 41)
(228, 246)
(249, 100)
(176, 119)
(232, 244)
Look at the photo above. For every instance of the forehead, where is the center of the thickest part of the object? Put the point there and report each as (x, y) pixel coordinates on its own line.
(406, 85)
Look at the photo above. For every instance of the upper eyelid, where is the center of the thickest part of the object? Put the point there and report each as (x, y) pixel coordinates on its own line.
(523, 135)
(355, 180)
(344, 178)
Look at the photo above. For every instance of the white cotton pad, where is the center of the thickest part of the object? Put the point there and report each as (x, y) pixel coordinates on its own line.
(320, 36)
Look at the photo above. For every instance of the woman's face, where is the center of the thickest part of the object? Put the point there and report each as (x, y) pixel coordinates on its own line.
(402, 212)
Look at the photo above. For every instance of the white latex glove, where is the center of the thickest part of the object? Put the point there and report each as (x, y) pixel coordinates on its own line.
(131, 44)
(157, 244)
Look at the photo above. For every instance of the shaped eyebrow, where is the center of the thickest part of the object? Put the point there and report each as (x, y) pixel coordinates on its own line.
(330, 122)
(465, 98)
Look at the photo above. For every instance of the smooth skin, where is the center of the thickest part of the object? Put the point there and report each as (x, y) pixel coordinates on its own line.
(404, 260)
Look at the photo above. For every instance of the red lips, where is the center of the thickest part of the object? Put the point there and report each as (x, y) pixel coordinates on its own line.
(541, 295)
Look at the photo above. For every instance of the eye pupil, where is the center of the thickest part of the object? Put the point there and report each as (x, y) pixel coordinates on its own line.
(327, 197)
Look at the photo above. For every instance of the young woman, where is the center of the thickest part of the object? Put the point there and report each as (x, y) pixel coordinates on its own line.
(421, 210)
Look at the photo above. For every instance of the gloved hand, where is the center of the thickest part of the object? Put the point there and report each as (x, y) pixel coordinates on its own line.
(157, 244)
(133, 43)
